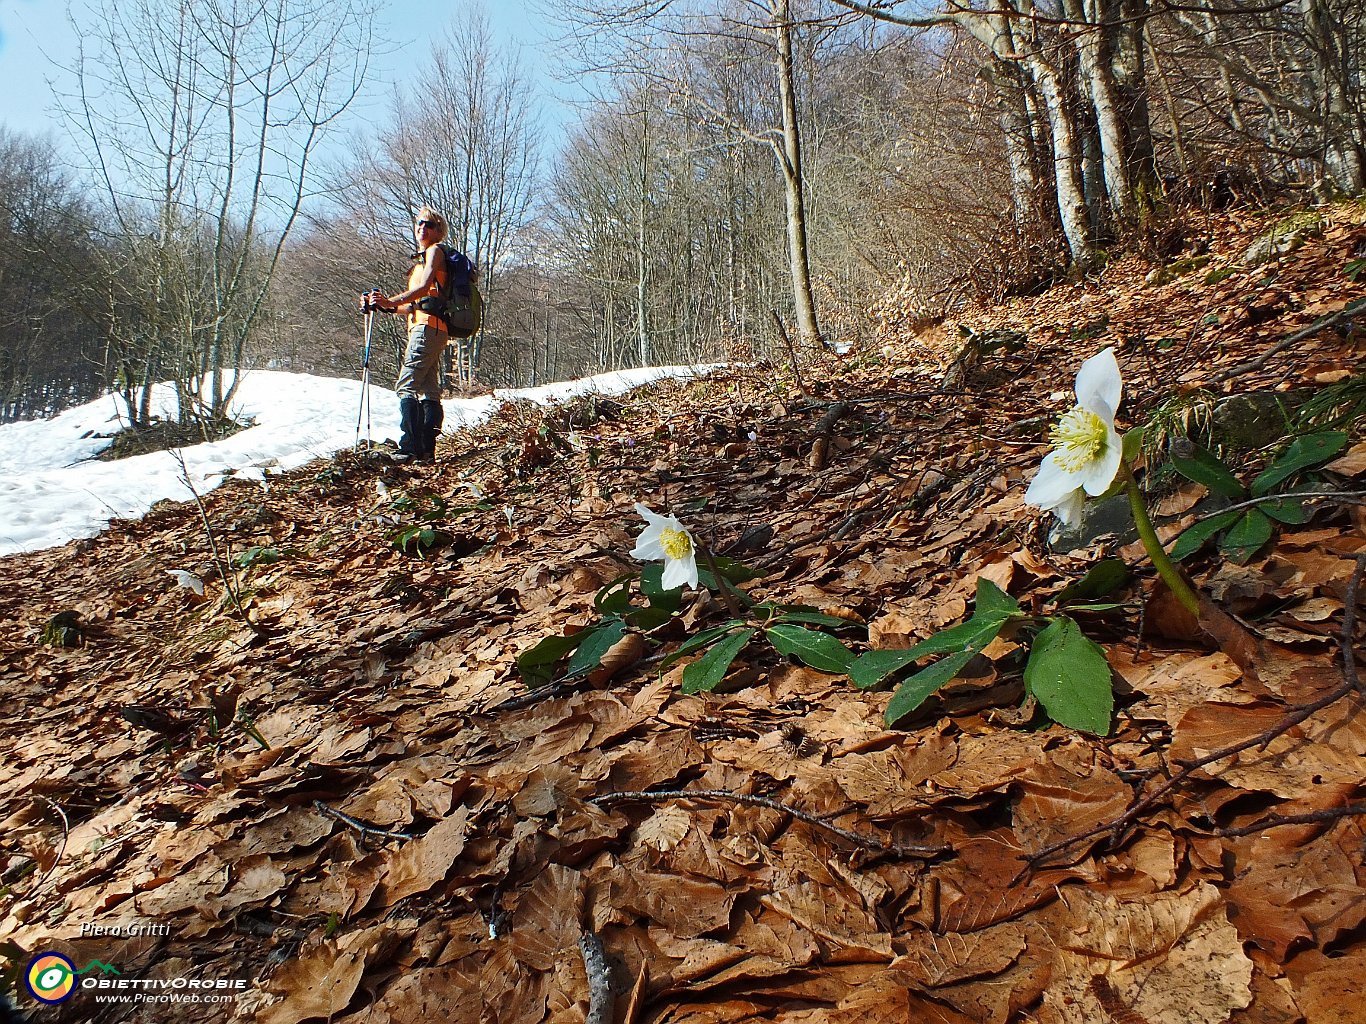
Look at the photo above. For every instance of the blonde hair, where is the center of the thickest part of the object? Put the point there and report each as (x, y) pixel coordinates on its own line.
(432, 217)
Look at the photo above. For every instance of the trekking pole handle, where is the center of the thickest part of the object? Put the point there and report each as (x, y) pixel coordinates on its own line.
(366, 306)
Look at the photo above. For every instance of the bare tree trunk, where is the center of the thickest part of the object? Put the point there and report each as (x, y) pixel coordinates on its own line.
(1092, 163)
(1096, 67)
(1066, 162)
(1012, 114)
(642, 256)
(790, 161)
(1129, 61)
(1343, 161)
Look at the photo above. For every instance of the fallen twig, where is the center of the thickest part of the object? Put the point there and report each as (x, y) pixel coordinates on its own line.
(1321, 324)
(599, 979)
(1266, 499)
(1263, 739)
(61, 850)
(1347, 638)
(365, 828)
(224, 570)
(833, 415)
(823, 429)
(1278, 820)
(858, 839)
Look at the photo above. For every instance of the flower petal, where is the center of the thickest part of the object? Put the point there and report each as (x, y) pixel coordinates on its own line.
(1099, 385)
(1099, 473)
(675, 574)
(678, 571)
(648, 549)
(1052, 484)
(650, 517)
(1071, 508)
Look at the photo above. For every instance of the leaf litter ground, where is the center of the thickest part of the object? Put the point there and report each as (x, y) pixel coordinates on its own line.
(423, 838)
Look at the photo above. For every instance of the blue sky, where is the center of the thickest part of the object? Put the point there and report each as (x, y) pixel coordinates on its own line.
(33, 32)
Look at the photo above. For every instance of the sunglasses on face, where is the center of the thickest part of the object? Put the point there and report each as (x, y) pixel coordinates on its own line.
(426, 223)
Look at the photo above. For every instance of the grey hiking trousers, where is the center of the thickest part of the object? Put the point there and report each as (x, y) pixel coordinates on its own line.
(420, 374)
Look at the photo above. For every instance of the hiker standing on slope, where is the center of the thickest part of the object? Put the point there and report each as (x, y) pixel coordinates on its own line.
(419, 377)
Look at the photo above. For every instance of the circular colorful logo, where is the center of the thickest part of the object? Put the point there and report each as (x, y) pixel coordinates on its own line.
(51, 977)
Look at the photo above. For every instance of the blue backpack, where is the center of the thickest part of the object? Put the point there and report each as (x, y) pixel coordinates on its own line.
(459, 303)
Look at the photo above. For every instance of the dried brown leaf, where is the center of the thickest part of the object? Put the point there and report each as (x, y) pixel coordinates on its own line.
(1170, 958)
(546, 922)
(937, 960)
(423, 862)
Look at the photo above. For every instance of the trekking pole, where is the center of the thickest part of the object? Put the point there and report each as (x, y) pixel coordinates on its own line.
(364, 409)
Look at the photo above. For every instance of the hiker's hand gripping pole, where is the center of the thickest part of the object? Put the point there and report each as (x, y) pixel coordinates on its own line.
(374, 301)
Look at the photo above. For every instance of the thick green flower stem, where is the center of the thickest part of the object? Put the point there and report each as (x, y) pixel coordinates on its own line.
(732, 605)
(1165, 567)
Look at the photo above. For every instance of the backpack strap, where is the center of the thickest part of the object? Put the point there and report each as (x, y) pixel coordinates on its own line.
(430, 308)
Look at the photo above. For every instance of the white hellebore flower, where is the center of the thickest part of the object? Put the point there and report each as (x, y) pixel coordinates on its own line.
(1086, 447)
(188, 580)
(666, 538)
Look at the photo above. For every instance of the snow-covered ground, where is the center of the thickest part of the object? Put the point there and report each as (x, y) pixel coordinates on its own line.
(52, 490)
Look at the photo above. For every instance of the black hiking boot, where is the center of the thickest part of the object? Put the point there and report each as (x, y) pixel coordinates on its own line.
(433, 415)
(412, 441)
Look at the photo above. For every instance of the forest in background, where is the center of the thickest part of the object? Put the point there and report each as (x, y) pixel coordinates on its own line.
(752, 175)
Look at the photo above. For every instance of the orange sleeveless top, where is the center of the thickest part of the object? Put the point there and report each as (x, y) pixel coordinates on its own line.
(434, 291)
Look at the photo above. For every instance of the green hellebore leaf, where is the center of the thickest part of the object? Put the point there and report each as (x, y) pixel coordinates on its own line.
(590, 652)
(737, 571)
(648, 618)
(256, 555)
(1286, 510)
(993, 610)
(707, 581)
(813, 618)
(915, 690)
(1194, 537)
(1246, 535)
(668, 602)
(1205, 468)
(819, 650)
(977, 632)
(537, 664)
(651, 586)
(992, 600)
(615, 596)
(1103, 578)
(872, 667)
(651, 580)
(702, 639)
(707, 671)
(1303, 452)
(1069, 675)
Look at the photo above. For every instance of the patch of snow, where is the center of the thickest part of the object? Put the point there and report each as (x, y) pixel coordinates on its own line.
(53, 490)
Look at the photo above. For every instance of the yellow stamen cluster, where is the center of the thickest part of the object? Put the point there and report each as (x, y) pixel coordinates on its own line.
(676, 543)
(1078, 438)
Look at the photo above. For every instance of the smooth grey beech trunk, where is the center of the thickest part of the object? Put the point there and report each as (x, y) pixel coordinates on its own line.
(1022, 156)
(1072, 208)
(642, 253)
(1333, 71)
(1095, 57)
(1016, 44)
(789, 156)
